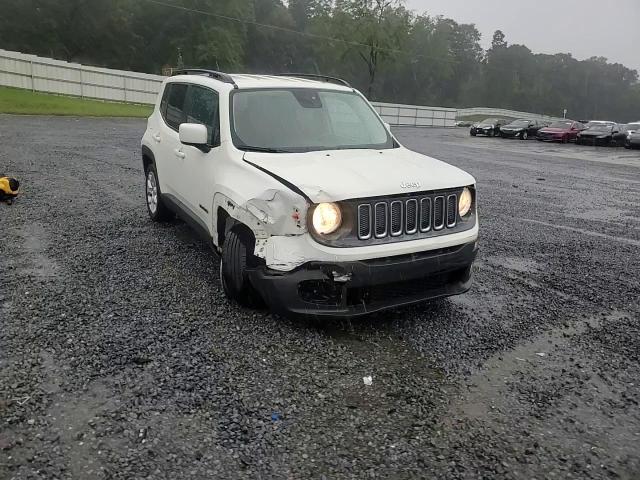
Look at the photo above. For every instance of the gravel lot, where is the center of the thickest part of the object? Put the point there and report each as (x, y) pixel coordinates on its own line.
(120, 357)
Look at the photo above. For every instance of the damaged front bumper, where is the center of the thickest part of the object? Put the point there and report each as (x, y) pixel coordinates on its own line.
(353, 288)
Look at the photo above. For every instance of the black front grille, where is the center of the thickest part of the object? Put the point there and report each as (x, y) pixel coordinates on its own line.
(380, 219)
(396, 218)
(452, 210)
(364, 222)
(438, 215)
(409, 216)
(425, 214)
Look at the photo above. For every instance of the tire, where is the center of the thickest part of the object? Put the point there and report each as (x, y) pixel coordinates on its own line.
(472, 133)
(237, 256)
(496, 132)
(524, 135)
(157, 210)
(565, 139)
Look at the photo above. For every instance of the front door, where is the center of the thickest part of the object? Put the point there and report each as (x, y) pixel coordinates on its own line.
(196, 177)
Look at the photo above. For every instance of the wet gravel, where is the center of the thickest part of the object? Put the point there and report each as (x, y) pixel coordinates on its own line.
(120, 358)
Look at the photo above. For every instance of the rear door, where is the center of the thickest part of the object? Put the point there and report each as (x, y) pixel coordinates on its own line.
(172, 156)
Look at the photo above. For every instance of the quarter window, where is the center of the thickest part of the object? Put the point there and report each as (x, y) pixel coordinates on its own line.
(175, 115)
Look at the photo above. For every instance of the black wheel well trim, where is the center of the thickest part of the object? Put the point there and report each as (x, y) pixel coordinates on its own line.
(225, 223)
(147, 157)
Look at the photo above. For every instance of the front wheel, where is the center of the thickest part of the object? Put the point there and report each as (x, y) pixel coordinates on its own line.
(237, 256)
(524, 135)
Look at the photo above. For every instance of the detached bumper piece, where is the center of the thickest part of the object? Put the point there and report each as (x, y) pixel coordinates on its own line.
(349, 289)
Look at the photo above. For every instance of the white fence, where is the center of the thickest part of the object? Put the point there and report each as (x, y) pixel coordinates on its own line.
(501, 112)
(55, 76)
(416, 116)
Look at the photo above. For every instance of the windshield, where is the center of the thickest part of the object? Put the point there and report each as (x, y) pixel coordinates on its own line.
(303, 120)
(560, 125)
(519, 123)
(489, 121)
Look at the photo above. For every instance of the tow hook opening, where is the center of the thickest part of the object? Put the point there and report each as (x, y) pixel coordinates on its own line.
(339, 277)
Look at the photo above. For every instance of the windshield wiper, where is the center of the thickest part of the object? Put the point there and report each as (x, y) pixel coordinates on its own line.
(249, 148)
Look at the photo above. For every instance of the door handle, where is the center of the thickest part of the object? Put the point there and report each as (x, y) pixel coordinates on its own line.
(156, 137)
(179, 153)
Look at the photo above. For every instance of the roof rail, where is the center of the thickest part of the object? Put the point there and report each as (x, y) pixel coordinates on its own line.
(314, 76)
(223, 77)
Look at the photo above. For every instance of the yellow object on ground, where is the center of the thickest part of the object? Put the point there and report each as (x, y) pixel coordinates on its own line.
(9, 188)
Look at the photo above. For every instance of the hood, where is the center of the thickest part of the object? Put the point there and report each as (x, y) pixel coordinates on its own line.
(594, 134)
(345, 174)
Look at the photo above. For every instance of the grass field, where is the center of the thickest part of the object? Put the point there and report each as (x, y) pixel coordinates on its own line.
(26, 102)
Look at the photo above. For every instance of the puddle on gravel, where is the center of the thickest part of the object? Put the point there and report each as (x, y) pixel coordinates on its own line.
(486, 391)
(377, 352)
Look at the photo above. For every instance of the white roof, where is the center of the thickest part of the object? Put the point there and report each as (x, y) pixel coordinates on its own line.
(246, 81)
(271, 81)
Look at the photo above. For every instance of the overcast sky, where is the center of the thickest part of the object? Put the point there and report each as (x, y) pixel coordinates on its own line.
(584, 28)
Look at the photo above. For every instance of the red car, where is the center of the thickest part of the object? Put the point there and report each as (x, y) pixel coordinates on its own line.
(562, 131)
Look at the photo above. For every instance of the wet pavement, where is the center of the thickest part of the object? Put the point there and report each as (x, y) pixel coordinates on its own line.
(120, 357)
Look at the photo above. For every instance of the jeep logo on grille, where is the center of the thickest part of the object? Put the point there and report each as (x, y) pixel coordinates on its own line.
(410, 185)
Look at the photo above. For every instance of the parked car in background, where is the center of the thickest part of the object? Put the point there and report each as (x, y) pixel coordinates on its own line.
(489, 127)
(522, 129)
(632, 140)
(603, 134)
(562, 131)
(463, 123)
(591, 123)
(628, 130)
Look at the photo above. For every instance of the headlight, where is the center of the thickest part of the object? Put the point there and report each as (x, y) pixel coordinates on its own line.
(464, 202)
(326, 218)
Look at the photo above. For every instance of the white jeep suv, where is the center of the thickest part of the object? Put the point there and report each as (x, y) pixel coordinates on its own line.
(313, 205)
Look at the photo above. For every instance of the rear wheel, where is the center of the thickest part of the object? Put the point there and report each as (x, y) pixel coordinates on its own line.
(158, 212)
(237, 257)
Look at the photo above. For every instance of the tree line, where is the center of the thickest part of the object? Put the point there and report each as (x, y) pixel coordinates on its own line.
(384, 49)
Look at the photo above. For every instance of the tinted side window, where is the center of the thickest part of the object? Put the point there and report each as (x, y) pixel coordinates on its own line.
(202, 107)
(174, 115)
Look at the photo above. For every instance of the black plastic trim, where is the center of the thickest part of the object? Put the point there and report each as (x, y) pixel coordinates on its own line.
(185, 213)
(220, 76)
(281, 290)
(314, 76)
